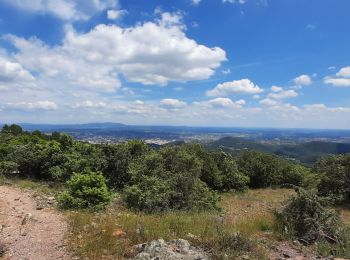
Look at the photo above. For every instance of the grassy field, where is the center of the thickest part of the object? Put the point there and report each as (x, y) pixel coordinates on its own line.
(111, 235)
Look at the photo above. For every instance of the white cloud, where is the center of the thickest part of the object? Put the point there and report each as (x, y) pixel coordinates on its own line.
(38, 105)
(243, 86)
(115, 14)
(11, 71)
(226, 102)
(171, 103)
(149, 53)
(196, 2)
(344, 72)
(90, 104)
(64, 9)
(338, 82)
(268, 102)
(342, 78)
(276, 89)
(283, 94)
(303, 80)
(220, 103)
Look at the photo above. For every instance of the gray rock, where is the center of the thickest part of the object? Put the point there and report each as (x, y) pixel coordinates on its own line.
(172, 250)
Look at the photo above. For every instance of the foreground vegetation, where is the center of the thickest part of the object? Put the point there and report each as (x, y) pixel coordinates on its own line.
(124, 194)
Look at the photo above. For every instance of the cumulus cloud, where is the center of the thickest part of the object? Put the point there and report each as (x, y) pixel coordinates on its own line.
(64, 9)
(276, 96)
(171, 103)
(226, 102)
(276, 89)
(344, 72)
(13, 71)
(149, 53)
(243, 86)
(220, 103)
(303, 80)
(282, 94)
(341, 78)
(115, 14)
(337, 82)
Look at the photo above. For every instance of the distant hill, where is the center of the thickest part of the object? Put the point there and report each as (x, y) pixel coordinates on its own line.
(307, 152)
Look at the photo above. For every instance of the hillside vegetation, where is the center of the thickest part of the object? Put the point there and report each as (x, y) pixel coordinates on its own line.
(307, 153)
(134, 194)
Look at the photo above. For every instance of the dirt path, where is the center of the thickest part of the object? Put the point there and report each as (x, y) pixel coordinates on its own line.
(29, 233)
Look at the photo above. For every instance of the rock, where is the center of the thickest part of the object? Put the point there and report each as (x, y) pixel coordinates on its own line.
(23, 232)
(172, 250)
(51, 200)
(25, 219)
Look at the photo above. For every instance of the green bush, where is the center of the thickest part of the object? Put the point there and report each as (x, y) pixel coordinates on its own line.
(266, 170)
(8, 168)
(168, 179)
(335, 177)
(306, 218)
(85, 190)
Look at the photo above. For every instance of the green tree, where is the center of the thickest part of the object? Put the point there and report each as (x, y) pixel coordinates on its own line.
(12, 129)
(168, 179)
(335, 177)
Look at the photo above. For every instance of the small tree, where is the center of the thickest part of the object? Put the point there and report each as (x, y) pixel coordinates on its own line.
(85, 190)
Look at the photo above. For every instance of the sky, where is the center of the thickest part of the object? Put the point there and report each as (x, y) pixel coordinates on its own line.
(235, 63)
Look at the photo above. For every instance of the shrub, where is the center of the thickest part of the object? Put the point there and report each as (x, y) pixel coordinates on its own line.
(85, 190)
(305, 217)
(152, 194)
(168, 179)
(232, 178)
(335, 177)
(8, 168)
(266, 170)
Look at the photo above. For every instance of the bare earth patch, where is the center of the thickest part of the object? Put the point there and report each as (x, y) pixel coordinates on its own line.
(27, 232)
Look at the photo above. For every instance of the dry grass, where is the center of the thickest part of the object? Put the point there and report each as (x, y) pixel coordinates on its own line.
(111, 235)
(38, 186)
(345, 214)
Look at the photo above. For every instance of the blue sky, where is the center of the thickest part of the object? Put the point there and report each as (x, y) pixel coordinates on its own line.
(255, 63)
